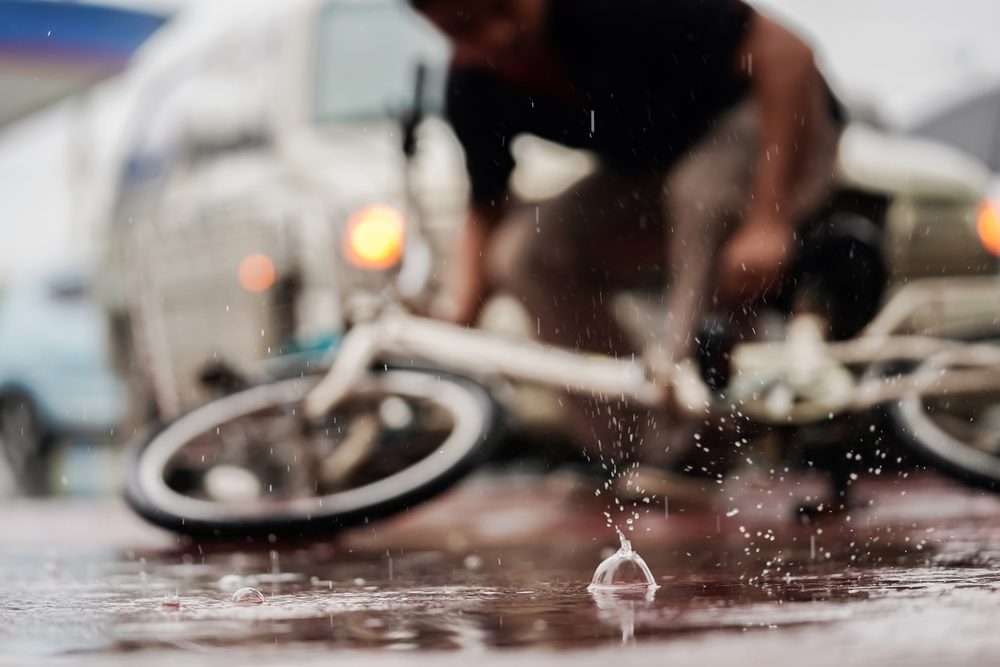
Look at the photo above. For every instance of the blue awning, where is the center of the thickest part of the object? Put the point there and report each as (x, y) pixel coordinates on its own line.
(50, 49)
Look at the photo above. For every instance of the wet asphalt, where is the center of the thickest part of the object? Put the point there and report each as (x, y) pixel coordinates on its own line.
(496, 571)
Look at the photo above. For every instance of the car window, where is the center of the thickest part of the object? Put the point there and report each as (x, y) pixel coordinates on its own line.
(367, 56)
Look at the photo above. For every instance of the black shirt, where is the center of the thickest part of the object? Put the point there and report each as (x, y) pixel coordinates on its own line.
(650, 77)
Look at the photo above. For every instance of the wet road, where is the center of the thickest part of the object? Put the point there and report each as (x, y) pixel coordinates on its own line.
(497, 572)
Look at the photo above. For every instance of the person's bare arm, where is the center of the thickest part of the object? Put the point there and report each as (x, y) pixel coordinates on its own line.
(468, 286)
(782, 76)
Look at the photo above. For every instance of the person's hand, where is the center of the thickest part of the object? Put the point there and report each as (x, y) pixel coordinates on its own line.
(753, 260)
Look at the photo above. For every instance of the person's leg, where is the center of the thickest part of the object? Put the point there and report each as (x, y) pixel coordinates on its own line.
(706, 197)
(565, 260)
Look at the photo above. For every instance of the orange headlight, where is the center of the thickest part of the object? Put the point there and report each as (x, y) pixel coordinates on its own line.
(988, 226)
(374, 237)
(256, 273)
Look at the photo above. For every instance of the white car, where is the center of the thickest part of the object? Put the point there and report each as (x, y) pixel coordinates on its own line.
(56, 381)
(261, 128)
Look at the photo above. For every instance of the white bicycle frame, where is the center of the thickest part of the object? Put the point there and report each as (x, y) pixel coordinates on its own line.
(794, 365)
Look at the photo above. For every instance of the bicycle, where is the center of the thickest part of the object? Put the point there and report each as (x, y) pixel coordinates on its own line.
(403, 407)
(369, 439)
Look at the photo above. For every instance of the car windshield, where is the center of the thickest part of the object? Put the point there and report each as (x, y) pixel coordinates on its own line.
(367, 57)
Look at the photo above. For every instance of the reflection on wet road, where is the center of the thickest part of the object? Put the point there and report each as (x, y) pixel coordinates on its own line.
(910, 579)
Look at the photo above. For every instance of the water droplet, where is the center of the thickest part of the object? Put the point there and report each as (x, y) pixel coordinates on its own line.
(248, 596)
(604, 575)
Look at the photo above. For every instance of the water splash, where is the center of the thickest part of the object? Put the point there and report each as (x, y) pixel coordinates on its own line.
(604, 575)
(248, 596)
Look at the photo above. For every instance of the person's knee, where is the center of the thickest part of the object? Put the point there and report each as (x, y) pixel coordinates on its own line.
(694, 196)
(521, 259)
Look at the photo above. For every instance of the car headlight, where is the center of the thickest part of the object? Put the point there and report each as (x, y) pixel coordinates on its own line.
(256, 273)
(374, 238)
(988, 226)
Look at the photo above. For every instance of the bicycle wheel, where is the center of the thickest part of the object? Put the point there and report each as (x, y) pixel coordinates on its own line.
(249, 464)
(957, 434)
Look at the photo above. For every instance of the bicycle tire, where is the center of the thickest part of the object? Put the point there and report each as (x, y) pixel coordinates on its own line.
(939, 448)
(476, 431)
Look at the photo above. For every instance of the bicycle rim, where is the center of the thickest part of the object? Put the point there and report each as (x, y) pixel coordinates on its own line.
(466, 405)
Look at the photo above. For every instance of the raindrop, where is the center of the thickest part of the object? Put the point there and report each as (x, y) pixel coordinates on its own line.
(248, 596)
(604, 576)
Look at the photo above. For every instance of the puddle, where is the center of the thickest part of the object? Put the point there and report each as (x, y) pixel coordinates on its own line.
(435, 601)
(711, 590)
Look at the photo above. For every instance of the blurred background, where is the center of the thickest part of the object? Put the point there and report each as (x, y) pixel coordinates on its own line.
(176, 178)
